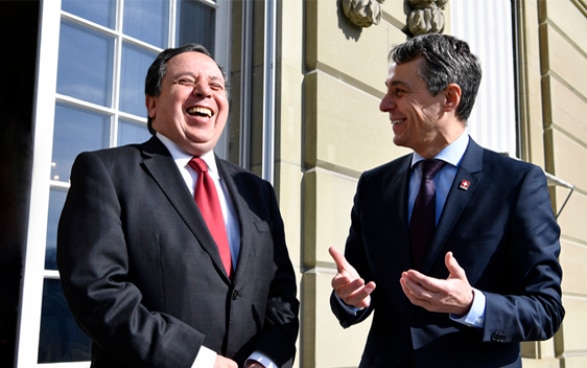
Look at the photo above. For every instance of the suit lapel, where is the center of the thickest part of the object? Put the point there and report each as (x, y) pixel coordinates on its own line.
(160, 165)
(399, 191)
(243, 214)
(458, 196)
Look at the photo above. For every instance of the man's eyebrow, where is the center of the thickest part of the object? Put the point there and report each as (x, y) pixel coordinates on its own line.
(182, 74)
(213, 78)
(216, 78)
(395, 83)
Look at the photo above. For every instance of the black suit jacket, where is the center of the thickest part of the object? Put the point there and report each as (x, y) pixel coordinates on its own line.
(142, 274)
(501, 230)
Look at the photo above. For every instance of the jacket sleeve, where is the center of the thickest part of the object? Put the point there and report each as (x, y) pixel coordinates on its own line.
(356, 256)
(533, 309)
(278, 337)
(93, 262)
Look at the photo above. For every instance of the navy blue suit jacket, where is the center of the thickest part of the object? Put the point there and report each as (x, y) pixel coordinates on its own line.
(501, 230)
(142, 274)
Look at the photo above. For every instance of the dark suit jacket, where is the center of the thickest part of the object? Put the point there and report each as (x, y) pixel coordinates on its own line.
(142, 274)
(502, 232)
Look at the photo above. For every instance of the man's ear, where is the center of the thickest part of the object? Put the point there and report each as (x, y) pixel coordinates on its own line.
(452, 97)
(151, 104)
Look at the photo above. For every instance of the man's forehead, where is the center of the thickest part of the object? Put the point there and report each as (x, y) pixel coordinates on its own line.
(194, 63)
(403, 74)
(392, 77)
(391, 70)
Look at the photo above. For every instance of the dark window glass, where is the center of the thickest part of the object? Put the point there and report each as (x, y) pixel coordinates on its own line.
(61, 340)
(196, 23)
(85, 64)
(56, 201)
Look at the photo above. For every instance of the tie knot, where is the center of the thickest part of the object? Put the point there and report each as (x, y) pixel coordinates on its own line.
(198, 164)
(431, 167)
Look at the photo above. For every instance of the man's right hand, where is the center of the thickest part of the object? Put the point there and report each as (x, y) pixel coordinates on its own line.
(224, 362)
(348, 284)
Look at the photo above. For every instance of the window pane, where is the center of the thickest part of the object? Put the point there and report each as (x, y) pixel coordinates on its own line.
(56, 202)
(97, 11)
(85, 64)
(76, 130)
(61, 340)
(147, 20)
(130, 132)
(135, 62)
(196, 23)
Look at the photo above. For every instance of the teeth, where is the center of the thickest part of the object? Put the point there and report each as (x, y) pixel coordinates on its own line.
(203, 111)
(397, 121)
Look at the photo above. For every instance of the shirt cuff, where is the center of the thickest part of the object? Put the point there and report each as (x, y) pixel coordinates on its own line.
(476, 315)
(205, 358)
(262, 359)
(348, 308)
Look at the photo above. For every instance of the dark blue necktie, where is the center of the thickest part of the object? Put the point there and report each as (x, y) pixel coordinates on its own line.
(423, 222)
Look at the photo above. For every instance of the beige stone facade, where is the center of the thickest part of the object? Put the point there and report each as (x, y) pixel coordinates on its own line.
(330, 77)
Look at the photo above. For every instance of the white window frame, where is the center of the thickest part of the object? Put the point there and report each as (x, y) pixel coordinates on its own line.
(46, 97)
(487, 28)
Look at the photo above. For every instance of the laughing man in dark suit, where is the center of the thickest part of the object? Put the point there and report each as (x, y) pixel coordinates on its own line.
(139, 267)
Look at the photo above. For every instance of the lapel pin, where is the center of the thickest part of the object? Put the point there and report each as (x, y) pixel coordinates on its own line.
(464, 184)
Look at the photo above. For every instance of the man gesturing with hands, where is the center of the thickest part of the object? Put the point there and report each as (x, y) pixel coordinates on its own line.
(453, 295)
(453, 249)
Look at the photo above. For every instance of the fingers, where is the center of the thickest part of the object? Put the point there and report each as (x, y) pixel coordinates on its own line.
(224, 362)
(454, 269)
(359, 297)
(338, 257)
(347, 283)
(452, 295)
(420, 280)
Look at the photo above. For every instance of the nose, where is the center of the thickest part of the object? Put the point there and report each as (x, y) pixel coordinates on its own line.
(387, 104)
(201, 88)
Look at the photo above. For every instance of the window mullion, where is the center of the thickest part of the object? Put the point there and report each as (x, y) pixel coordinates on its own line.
(32, 284)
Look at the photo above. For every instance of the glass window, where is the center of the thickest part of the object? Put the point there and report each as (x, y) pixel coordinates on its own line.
(135, 62)
(97, 11)
(131, 132)
(56, 202)
(147, 21)
(85, 64)
(61, 340)
(100, 87)
(196, 24)
(76, 130)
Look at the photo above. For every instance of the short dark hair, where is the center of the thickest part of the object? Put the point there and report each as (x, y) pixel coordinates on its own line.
(446, 60)
(158, 69)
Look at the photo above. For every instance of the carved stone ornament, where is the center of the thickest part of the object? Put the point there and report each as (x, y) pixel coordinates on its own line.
(426, 16)
(363, 13)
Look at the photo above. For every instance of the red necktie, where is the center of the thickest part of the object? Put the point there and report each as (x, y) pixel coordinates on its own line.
(423, 222)
(207, 200)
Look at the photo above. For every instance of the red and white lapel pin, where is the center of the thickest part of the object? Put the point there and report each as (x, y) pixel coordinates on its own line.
(464, 184)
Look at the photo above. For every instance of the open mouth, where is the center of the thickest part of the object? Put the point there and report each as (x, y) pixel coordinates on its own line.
(200, 111)
(397, 121)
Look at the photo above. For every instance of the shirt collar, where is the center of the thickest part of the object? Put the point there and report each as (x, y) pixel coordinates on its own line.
(182, 159)
(452, 154)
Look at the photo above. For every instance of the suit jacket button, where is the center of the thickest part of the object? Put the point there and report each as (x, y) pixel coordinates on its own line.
(498, 337)
(234, 294)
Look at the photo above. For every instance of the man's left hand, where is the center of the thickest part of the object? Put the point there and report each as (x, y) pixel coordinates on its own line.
(453, 295)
